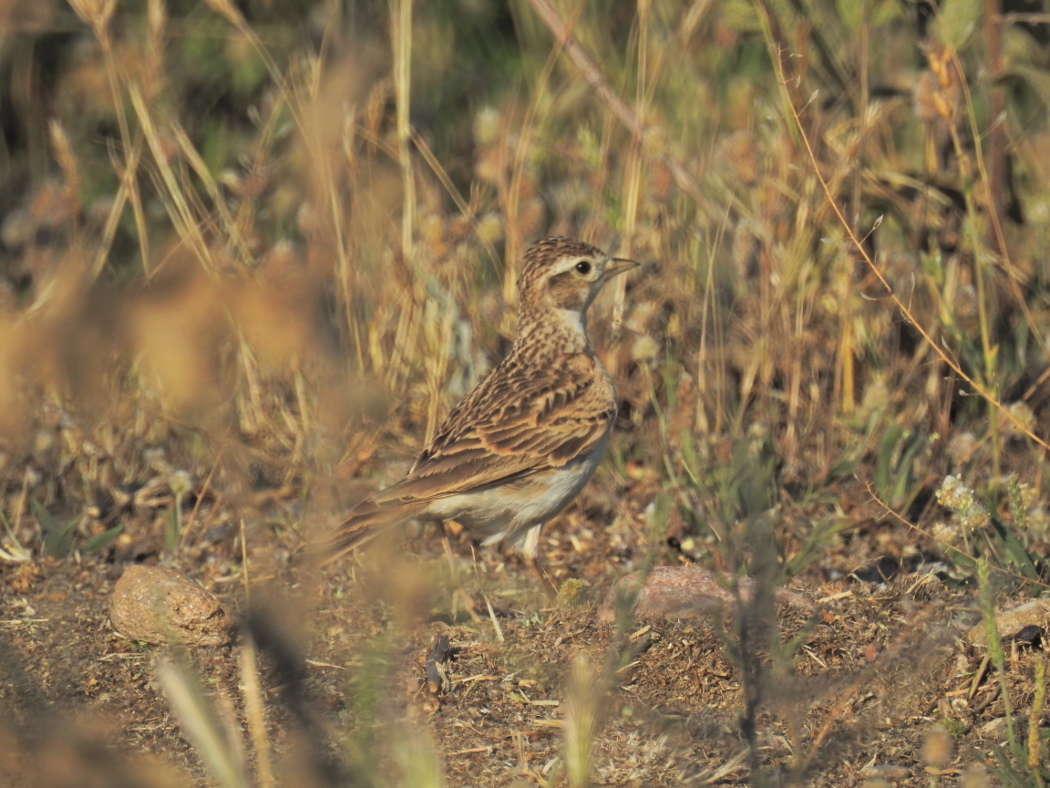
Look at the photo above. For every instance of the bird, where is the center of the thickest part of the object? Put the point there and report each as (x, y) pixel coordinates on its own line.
(526, 439)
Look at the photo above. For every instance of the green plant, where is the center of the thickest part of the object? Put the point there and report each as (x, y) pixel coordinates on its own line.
(984, 533)
(58, 536)
(1023, 762)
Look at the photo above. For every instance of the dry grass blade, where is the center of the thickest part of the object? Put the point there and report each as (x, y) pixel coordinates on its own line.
(96, 13)
(228, 11)
(581, 722)
(63, 151)
(177, 197)
(203, 724)
(1036, 745)
(686, 181)
(256, 713)
(401, 33)
(230, 228)
(858, 245)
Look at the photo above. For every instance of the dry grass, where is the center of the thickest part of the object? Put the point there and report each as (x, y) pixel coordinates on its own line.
(251, 255)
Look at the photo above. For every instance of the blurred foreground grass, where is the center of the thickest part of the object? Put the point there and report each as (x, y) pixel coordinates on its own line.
(248, 251)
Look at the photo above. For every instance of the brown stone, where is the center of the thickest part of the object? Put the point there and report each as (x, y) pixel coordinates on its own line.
(157, 605)
(690, 592)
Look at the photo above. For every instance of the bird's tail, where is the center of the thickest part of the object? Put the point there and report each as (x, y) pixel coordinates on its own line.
(364, 522)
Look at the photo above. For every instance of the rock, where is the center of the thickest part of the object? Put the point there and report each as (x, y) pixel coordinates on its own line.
(1009, 622)
(994, 729)
(886, 773)
(689, 592)
(157, 605)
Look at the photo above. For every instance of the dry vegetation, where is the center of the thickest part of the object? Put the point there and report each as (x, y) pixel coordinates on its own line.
(251, 253)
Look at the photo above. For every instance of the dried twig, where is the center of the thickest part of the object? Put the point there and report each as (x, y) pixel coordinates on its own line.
(437, 679)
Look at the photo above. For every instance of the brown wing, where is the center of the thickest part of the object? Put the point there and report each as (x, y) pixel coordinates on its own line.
(512, 425)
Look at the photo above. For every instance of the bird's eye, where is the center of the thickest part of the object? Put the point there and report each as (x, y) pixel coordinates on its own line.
(583, 267)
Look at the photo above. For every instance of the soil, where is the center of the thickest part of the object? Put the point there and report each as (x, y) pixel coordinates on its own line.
(859, 688)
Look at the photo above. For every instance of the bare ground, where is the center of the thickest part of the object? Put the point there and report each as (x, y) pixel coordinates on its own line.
(854, 695)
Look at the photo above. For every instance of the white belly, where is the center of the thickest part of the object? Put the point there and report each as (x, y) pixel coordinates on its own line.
(513, 510)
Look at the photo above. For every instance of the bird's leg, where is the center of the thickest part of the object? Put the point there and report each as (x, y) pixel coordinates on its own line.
(530, 550)
(546, 583)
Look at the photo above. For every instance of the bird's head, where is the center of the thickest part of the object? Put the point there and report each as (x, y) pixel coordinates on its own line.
(566, 274)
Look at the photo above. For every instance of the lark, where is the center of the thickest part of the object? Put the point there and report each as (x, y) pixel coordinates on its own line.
(521, 445)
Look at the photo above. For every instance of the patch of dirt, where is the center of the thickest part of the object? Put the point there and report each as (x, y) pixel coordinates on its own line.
(851, 691)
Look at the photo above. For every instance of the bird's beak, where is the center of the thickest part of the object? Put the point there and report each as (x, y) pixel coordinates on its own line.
(617, 265)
